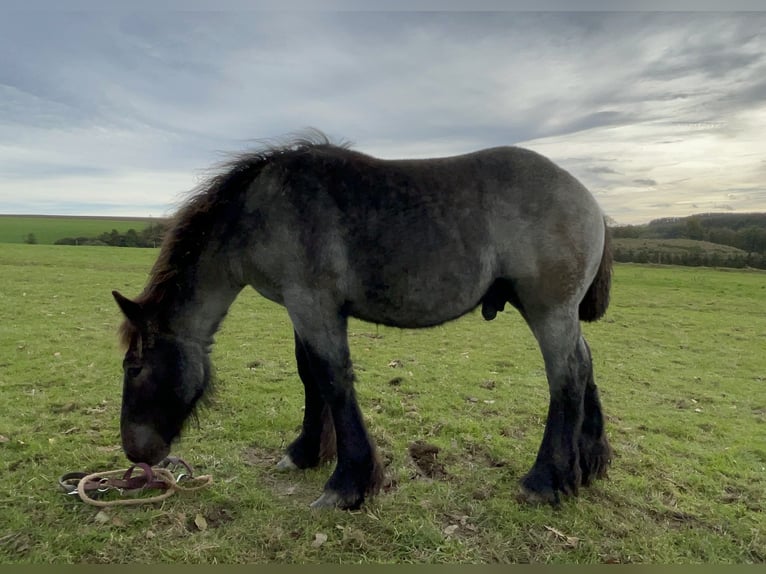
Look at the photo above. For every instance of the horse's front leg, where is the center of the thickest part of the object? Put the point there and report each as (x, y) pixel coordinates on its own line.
(358, 472)
(316, 442)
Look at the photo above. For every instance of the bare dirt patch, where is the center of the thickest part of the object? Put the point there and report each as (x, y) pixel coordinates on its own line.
(424, 455)
(259, 456)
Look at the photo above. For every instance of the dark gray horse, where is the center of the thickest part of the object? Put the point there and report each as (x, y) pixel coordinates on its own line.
(330, 234)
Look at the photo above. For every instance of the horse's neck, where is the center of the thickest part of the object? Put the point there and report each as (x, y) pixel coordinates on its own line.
(203, 302)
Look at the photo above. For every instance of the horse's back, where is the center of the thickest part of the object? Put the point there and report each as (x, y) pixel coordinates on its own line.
(418, 242)
(505, 211)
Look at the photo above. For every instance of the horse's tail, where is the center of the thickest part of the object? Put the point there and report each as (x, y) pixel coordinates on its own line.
(596, 300)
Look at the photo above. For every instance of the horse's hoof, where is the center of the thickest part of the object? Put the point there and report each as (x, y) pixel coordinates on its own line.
(286, 463)
(331, 499)
(327, 500)
(533, 497)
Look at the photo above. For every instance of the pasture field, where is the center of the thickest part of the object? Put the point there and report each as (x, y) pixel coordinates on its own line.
(679, 360)
(47, 229)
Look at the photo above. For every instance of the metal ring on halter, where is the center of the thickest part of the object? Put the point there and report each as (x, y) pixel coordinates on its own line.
(69, 481)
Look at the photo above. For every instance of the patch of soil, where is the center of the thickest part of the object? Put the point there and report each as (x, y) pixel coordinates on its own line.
(516, 433)
(259, 456)
(389, 484)
(481, 493)
(458, 525)
(479, 454)
(214, 517)
(424, 456)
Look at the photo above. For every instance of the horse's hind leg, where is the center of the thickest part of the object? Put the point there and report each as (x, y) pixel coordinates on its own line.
(568, 367)
(595, 452)
(316, 442)
(358, 471)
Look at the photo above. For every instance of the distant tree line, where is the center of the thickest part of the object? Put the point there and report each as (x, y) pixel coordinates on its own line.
(746, 232)
(150, 236)
(698, 257)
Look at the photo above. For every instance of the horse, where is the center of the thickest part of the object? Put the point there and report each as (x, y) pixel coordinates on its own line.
(331, 233)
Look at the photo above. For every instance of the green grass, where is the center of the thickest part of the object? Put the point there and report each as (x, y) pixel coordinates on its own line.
(47, 229)
(679, 361)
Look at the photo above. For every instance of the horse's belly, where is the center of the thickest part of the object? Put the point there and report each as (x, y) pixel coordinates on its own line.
(411, 305)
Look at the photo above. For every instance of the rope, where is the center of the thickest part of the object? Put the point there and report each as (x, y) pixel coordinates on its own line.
(153, 478)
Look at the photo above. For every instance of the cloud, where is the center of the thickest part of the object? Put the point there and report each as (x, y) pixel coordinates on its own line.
(601, 170)
(141, 104)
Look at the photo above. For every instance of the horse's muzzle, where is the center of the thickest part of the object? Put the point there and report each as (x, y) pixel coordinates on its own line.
(142, 443)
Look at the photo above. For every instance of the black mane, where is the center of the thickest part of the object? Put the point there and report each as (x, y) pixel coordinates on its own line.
(223, 191)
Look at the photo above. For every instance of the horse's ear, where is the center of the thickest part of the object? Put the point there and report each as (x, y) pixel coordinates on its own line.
(132, 310)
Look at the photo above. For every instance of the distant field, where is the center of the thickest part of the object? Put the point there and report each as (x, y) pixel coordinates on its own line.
(48, 228)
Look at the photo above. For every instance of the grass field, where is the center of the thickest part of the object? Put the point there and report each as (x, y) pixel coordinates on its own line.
(679, 360)
(47, 229)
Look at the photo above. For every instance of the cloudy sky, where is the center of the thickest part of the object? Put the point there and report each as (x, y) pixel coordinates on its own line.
(659, 114)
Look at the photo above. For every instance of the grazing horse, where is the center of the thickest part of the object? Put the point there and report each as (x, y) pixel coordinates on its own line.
(331, 233)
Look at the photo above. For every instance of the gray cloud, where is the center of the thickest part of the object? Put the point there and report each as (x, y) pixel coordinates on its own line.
(140, 104)
(602, 169)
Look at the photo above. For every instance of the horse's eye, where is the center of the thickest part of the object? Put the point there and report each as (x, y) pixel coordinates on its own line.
(133, 372)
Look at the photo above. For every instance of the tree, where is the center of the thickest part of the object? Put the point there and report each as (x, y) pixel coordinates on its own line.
(627, 231)
(694, 229)
(752, 239)
(723, 236)
(152, 234)
(131, 238)
(30, 239)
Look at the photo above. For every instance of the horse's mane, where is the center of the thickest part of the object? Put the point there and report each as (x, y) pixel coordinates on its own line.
(188, 228)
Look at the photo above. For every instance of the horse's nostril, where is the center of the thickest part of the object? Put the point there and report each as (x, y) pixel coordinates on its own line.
(142, 443)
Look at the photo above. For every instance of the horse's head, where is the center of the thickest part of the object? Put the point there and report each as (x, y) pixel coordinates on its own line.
(164, 378)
